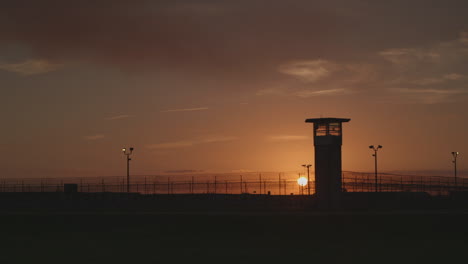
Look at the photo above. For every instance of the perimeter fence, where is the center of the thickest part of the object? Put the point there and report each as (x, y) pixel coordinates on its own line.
(252, 183)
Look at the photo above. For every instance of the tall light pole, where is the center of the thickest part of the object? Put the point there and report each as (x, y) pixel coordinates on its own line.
(375, 149)
(128, 153)
(308, 177)
(455, 155)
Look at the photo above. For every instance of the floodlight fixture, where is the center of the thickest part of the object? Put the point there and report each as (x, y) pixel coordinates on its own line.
(455, 155)
(375, 149)
(308, 176)
(124, 150)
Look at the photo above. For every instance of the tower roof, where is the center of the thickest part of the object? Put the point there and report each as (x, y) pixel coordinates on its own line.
(327, 120)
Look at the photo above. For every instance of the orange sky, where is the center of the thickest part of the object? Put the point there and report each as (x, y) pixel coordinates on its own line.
(226, 85)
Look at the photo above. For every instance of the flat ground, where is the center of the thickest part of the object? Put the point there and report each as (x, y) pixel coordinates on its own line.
(234, 237)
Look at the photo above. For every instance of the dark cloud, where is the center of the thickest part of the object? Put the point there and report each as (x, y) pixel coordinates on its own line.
(222, 36)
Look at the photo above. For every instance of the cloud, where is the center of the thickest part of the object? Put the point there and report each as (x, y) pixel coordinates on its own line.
(429, 74)
(185, 110)
(454, 76)
(30, 67)
(308, 70)
(312, 93)
(439, 80)
(406, 56)
(287, 138)
(94, 137)
(463, 37)
(428, 96)
(183, 171)
(429, 91)
(117, 117)
(243, 171)
(217, 139)
(172, 145)
(428, 81)
(142, 35)
(272, 91)
(190, 143)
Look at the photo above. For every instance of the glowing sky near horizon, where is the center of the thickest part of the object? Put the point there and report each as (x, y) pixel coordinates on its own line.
(226, 85)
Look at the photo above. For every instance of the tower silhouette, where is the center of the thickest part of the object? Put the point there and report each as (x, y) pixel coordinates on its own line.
(327, 143)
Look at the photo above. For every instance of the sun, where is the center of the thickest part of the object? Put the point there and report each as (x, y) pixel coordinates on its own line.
(302, 181)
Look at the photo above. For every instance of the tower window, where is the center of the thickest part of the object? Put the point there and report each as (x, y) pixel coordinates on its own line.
(320, 130)
(334, 129)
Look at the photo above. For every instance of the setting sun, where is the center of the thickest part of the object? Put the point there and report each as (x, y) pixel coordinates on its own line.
(302, 181)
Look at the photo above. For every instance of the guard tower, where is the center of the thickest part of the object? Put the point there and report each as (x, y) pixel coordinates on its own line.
(327, 143)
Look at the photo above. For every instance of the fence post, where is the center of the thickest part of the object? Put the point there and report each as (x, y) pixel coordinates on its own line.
(401, 183)
(191, 185)
(260, 180)
(215, 184)
(279, 183)
(241, 184)
(168, 186)
(355, 182)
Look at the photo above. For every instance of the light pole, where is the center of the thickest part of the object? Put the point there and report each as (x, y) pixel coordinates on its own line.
(375, 149)
(308, 177)
(128, 153)
(455, 155)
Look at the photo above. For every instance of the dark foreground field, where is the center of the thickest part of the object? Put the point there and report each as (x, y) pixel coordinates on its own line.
(234, 237)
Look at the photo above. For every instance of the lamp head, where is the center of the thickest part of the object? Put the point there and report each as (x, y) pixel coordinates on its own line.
(124, 149)
(371, 146)
(379, 146)
(131, 149)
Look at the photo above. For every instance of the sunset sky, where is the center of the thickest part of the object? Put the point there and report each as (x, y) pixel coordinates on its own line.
(225, 86)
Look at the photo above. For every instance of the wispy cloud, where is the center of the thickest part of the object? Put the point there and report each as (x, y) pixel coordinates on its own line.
(185, 109)
(308, 70)
(242, 171)
(30, 67)
(428, 96)
(405, 56)
(311, 93)
(190, 143)
(438, 80)
(286, 138)
(454, 76)
(463, 37)
(94, 137)
(429, 91)
(271, 91)
(428, 81)
(183, 171)
(119, 117)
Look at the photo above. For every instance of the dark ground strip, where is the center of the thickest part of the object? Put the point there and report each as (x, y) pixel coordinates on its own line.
(233, 237)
